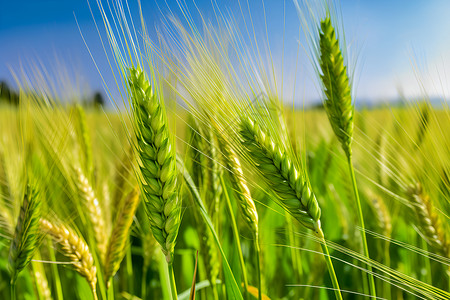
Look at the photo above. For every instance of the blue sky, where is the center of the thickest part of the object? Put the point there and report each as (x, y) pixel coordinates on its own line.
(390, 37)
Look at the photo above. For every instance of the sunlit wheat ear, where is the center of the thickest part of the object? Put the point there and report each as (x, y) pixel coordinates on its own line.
(279, 172)
(157, 162)
(429, 222)
(120, 234)
(26, 234)
(246, 204)
(336, 84)
(74, 248)
(94, 211)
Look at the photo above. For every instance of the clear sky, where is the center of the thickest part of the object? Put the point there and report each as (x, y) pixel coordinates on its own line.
(391, 37)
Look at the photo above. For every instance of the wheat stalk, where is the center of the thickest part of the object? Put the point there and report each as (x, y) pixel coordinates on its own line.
(74, 248)
(340, 111)
(26, 234)
(120, 234)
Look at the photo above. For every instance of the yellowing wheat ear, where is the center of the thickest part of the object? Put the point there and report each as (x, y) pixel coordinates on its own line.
(74, 248)
(119, 236)
(157, 162)
(428, 221)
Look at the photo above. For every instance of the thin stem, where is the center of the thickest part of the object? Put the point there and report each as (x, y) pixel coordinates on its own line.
(54, 268)
(361, 223)
(387, 262)
(164, 276)
(330, 267)
(144, 282)
(13, 290)
(236, 237)
(295, 255)
(258, 264)
(173, 287)
(129, 271)
(110, 289)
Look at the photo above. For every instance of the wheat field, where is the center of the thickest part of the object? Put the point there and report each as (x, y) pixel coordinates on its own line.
(202, 183)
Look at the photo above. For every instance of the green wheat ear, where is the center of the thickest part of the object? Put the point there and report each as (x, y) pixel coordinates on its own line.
(26, 235)
(338, 100)
(157, 162)
(280, 173)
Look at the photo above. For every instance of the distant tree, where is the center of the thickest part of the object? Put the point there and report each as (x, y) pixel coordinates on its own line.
(8, 95)
(4, 90)
(98, 100)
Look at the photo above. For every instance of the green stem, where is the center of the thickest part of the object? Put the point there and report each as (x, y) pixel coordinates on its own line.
(54, 268)
(13, 290)
(111, 289)
(144, 282)
(387, 261)
(164, 276)
(236, 237)
(330, 267)
(129, 270)
(214, 291)
(173, 287)
(258, 264)
(361, 223)
(295, 255)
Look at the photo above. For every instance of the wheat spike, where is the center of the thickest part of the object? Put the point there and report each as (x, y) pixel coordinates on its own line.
(246, 204)
(428, 220)
(338, 101)
(278, 171)
(120, 234)
(94, 210)
(26, 234)
(157, 162)
(75, 248)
